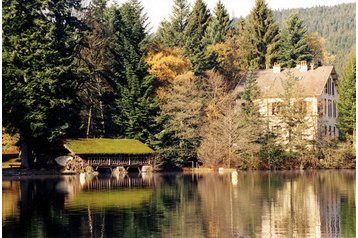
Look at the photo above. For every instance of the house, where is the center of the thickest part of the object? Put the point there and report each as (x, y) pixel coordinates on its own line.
(111, 153)
(314, 94)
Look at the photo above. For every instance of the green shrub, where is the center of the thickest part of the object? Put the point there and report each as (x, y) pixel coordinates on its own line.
(337, 155)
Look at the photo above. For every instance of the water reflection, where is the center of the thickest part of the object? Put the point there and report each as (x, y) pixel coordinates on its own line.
(249, 204)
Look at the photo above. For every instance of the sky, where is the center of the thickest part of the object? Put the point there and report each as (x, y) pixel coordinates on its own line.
(158, 10)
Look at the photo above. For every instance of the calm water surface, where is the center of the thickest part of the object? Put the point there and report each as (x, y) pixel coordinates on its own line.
(255, 204)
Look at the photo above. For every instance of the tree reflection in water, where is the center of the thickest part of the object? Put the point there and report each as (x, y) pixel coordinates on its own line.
(256, 204)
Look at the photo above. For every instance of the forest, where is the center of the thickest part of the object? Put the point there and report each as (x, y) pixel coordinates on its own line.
(74, 71)
(336, 24)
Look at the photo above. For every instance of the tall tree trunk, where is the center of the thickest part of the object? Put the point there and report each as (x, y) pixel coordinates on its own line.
(102, 117)
(25, 154)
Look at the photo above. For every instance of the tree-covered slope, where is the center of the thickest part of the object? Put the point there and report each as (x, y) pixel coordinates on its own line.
(336, 24)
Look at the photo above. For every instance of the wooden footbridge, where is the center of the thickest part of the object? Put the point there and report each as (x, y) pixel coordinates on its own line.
(112, 153)
(115, 162)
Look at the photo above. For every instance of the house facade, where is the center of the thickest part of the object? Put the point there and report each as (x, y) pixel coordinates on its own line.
(304, 95)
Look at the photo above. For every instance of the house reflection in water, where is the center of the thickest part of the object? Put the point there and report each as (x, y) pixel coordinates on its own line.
(306, 206)
(259, 204)
(294, 211)
(276, 205)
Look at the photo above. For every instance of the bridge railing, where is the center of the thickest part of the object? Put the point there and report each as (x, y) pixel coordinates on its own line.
(111, 162)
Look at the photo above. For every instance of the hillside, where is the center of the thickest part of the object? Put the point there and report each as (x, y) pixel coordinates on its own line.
(336, 24)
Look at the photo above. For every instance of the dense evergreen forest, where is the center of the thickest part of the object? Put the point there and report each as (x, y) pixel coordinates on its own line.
(337, 24)
(72, 72)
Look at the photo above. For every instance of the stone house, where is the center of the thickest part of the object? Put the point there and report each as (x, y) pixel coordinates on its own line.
(315, 93)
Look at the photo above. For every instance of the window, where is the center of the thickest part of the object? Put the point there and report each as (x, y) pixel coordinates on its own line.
(325, 107)
(329, 108)
(276, 108)
(329, 130)
(334, 131)
(326, 88)
(276, 129)
(334, 109)
(319, 109)
(332, 87)
(301, 106)
(325, 130)
(329, 86)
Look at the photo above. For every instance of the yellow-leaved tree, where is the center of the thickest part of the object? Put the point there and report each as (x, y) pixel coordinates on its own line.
(319, 51)
(227, 58)
(166, 64)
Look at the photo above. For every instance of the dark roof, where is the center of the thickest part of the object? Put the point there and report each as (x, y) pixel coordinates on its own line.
(107, 146)
(311, 83)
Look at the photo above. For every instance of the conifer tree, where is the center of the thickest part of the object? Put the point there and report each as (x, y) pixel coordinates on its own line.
(96, 86)
(250, 94)
(135, 106)
(253, 125)
(294, 46)
(291, 118)
(219, 24)
(41, 74)
(347, 99)
(171, 33)
(195, 45)
(260, 37)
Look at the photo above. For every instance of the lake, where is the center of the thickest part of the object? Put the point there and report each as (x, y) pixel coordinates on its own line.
(253, 204)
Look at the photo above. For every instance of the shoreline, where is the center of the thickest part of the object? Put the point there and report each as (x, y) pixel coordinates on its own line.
(12, 174)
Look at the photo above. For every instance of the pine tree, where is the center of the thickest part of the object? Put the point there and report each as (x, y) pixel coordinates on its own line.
(253, 125)
(260, 37)
(171, 33)
(347, 99)
(41, 74)
(250, 94)
(195, 45)
(135, 106)
(96, 86)
(292, 119)
(219, 24)
(294, 46)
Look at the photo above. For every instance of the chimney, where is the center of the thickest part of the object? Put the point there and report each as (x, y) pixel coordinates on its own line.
(303, 66)
(276, 68)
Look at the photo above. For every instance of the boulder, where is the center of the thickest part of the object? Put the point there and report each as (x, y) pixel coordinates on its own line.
(62, 160)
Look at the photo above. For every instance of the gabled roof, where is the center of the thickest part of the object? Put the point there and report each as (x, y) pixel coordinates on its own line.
(311, 83)
(107, 146)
